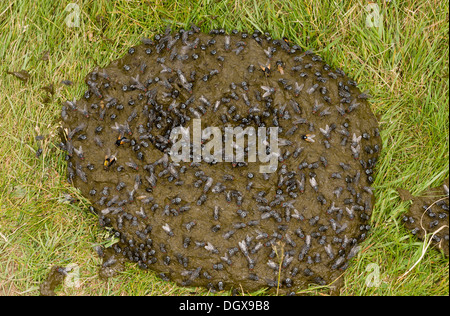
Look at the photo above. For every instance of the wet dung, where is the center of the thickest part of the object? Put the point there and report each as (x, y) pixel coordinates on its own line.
(225, 225)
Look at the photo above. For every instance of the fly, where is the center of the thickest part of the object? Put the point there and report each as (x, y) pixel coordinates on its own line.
(265, 68)
(309, 138)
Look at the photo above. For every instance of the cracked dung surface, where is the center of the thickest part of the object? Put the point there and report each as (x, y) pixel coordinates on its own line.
(301, 224)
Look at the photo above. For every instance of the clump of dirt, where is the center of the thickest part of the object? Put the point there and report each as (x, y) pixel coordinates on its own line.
(217, 224)
(428, 215)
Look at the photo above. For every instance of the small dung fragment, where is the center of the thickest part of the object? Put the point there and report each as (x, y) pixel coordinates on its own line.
(22, 75)
(429, 214)
(55, 277)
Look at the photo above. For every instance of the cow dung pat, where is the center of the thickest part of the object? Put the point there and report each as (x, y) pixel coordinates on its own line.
(225, 225)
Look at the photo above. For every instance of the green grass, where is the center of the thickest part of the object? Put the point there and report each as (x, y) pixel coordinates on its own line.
(403, 64)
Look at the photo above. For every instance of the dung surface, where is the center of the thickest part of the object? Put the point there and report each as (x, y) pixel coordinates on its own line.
(225, 225)
(428, 214)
